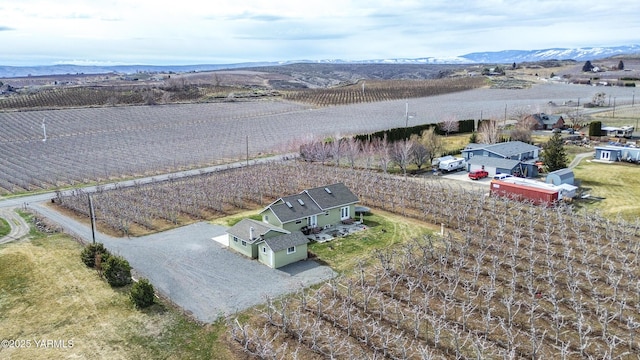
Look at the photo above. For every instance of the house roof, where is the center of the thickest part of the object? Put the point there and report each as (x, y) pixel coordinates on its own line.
(295, 207)
(547, 119)
(285, 241)
(242, 230)
(331, 196)
(562, 173)
(493, 162)
(312, 202)
(507, 149)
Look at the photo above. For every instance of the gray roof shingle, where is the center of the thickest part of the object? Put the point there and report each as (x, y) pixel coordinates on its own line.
(337, 195)
(242, 230)
(289, 208)
(312, 202)
(507, 149)
(285, 241)
(493, 162)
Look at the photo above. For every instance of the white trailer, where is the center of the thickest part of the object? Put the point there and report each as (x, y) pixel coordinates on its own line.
(454, 164)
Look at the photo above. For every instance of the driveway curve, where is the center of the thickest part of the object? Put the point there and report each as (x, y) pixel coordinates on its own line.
(19, 227)
(200, 275)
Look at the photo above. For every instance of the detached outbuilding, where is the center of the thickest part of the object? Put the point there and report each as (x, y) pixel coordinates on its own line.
(561, 176)
(271, 245)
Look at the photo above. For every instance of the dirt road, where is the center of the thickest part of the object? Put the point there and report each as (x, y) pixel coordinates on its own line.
(19, 227)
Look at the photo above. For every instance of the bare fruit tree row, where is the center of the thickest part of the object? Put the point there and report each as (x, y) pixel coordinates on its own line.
(508, 280)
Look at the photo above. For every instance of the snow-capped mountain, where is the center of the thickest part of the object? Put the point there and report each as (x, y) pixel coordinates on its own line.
(578, 54)
(496, 57)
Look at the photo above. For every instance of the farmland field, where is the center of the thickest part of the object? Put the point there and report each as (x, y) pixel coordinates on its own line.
(508, 279)
(100, 144)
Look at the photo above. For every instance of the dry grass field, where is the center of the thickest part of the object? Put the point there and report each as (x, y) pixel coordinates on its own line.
(48, 294)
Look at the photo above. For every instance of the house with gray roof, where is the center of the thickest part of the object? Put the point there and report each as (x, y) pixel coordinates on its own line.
(544, 121)
(511, 157)
(271, 245)
(311, 209)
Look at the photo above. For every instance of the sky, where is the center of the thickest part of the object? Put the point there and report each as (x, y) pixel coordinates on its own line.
(152, 32)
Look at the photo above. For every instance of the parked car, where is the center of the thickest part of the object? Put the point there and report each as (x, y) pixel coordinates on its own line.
(478, 174)
(501, 176)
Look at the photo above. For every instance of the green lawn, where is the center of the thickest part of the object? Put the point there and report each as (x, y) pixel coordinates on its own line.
(5, 228)
(383, 231)
(617, 183)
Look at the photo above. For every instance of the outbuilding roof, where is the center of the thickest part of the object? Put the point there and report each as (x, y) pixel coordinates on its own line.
(565, 173)
(285, 241)
(242, 230)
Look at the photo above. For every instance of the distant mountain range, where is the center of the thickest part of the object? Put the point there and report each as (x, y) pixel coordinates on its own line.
(496, 57)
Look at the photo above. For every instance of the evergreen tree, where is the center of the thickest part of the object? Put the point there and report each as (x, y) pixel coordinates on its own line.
(117, 271)
(142, 294)
(587, 66)
(91, 251)
(554, 155)
(620, 65)
(595, 128)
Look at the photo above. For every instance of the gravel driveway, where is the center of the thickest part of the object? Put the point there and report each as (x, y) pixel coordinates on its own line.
(197, 273)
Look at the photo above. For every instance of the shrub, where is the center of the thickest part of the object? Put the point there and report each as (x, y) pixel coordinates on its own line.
(595, 128)
(142, 294)
(90, 253)
(117, 271)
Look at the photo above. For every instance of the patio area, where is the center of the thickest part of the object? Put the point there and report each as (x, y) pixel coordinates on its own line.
(331, 232)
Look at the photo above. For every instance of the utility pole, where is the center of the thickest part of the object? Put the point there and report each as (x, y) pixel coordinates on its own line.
(505, 114)
(44, 130)
(93, 219)
(406, 115)
(614, 107)
(247, 150)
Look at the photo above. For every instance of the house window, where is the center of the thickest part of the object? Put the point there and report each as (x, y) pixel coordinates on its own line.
(265, 218)
(235, 239)
(326, 213)
(298, 221)
(264, 249)
(244, 243)
(291, 250)
(344, 213)
(470, 155)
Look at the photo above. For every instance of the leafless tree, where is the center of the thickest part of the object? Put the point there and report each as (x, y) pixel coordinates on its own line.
(419, 153)
(523, 129)
(352, 147)
(383, 152)
(489, 132)
(336, 149)
(449, 124)
(432, 142)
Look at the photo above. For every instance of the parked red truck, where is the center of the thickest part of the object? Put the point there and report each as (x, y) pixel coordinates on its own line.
(537, 196)
(478, 174)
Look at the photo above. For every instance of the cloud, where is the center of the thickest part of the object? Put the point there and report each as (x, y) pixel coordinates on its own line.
(6, 28)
